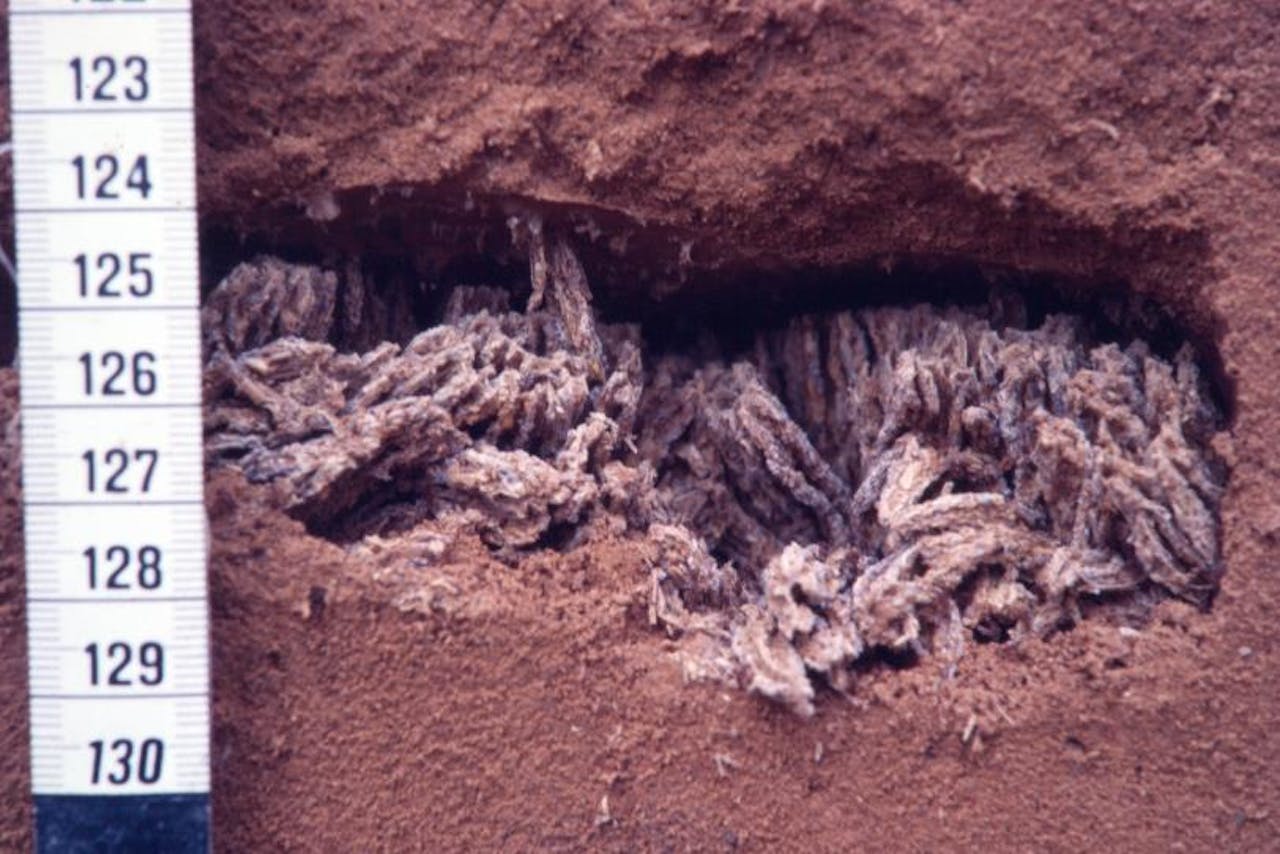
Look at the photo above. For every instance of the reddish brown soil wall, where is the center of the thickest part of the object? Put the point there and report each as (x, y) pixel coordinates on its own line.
(1107, 144)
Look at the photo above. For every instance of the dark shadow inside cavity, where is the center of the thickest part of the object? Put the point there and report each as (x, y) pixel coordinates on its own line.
(732, 310)
(729, 308)
(429, 243)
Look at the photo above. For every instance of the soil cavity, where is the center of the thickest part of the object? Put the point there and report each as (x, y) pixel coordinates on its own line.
(888, 482)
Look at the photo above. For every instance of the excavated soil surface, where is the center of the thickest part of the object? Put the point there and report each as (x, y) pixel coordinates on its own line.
(700, 156)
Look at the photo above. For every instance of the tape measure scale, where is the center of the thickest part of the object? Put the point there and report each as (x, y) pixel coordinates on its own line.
(109, 361)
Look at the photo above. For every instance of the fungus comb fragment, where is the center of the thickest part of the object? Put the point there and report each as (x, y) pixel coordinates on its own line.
(895, 479)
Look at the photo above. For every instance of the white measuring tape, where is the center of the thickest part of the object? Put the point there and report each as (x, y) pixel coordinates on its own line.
(104, 183)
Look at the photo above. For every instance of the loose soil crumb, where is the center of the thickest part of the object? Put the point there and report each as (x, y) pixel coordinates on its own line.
(884, 481)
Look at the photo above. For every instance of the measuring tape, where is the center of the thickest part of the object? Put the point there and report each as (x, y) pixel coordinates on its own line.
(104, 183)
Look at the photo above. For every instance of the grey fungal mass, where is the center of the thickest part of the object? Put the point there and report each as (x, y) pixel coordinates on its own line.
(891, 479)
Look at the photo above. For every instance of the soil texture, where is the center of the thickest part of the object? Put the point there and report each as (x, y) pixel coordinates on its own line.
(711, 160)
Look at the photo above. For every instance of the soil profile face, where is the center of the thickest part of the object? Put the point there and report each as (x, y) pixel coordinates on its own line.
(539, 681)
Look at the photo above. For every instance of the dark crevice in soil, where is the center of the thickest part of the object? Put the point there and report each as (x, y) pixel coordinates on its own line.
(425, 251)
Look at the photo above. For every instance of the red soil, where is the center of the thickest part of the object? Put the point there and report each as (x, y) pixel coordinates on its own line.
(535, 707)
